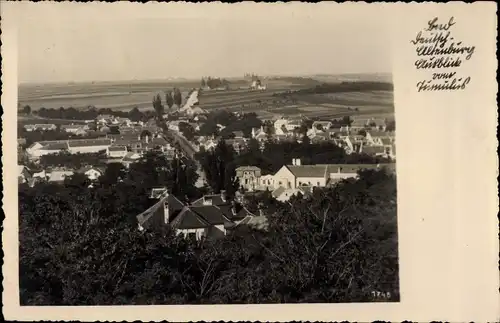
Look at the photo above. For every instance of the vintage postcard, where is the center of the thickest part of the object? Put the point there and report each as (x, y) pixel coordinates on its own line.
(241, 162)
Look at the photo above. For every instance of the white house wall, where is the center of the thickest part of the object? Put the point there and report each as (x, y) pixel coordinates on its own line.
(312, 181)
(199, 232)
(117, 154)
(285, 178)
(87, 150)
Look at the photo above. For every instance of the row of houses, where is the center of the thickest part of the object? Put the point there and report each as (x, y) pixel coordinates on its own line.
(115, 146)
(371, 142)
(55, 175)
(295, 178)
(284, 125)
(212, 216)
(368, 141)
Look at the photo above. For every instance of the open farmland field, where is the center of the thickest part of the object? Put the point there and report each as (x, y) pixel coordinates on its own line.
(353, 77)
(127, 95)
(114, 95)
(369, 103)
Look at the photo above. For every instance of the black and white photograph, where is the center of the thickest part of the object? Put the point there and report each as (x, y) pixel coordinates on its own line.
(207, 159)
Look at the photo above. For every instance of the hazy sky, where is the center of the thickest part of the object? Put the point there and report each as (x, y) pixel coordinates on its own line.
(96, 42)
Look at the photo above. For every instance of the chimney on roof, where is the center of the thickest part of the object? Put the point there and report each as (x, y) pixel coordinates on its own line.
(223, 195)
(166, 212)
(207, 200)
(298, 162)
(233, 208)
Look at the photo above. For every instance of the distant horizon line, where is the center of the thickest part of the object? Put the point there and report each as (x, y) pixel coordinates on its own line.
(188, 79)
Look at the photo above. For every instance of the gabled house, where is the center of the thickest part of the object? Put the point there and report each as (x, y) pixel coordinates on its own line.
(92, 172)
(248, 177)
(130, 158)
(259, 134)
(280, 125)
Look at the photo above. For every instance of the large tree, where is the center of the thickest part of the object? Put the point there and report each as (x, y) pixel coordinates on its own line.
(158, 107)
(219, 168)
(27, 109)
(169, 99)
(177, 97)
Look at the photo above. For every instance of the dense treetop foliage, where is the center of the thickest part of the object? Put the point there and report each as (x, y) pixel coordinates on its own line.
(230, 122)
(91, 113)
